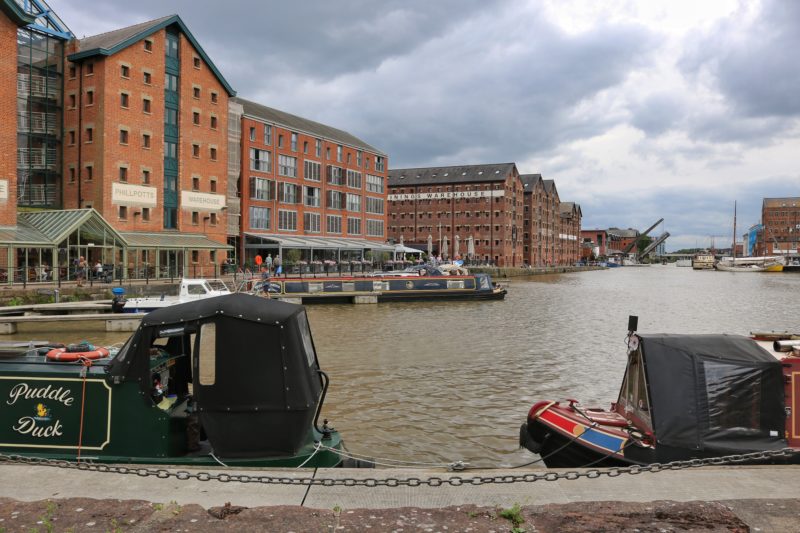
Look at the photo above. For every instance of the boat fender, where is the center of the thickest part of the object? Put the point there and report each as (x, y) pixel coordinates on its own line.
(636, 435)
(61, 354)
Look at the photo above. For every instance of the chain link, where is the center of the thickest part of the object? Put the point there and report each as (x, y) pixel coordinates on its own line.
(454, 481)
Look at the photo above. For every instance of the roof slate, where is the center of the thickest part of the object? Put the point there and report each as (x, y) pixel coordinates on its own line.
(782, 202)
(111, 42)
(457, 174)
(529, 181)
(303, 125)
(111, 39)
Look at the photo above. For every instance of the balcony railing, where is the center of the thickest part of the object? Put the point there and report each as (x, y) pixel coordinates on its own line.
(36, 194)
(37, 122)
(38, 158)
(38, 86)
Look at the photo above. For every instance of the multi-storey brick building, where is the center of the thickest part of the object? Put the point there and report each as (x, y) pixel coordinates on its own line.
(568, 250)
(146, 132)
(780, 234)
(131, 144)
(595, 243)
(551, 228)
(320, 186)
(477, 208)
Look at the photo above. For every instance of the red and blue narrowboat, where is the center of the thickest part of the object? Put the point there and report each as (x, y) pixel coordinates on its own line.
(682, 397)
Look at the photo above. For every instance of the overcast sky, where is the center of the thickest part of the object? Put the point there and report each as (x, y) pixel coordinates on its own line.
(637, 109)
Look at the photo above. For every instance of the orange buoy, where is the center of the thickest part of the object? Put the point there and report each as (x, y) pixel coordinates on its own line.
(61, 354)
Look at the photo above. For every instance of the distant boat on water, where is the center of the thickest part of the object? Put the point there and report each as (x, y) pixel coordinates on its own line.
(703, 261)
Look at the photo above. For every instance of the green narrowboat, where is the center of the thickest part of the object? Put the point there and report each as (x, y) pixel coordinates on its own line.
(231, 380)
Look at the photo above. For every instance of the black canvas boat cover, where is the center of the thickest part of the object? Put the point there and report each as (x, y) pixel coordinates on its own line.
(714, 393)
(252, 364)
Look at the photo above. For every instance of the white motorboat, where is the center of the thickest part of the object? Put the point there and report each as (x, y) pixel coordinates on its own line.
(190, 291)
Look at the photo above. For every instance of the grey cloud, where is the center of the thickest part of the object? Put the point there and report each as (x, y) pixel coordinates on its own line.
(315, 39)
(753, 65)
(446, 81)
(658, 113)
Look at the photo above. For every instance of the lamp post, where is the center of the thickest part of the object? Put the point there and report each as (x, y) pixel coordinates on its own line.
(440, 238)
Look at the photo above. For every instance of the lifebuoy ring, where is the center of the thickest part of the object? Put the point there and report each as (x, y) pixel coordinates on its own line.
(61, 354)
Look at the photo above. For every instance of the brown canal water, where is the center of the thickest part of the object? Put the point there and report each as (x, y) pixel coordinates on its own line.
(439, 381)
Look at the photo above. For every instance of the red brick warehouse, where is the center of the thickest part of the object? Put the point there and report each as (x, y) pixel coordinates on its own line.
(478, 203)
(145, 126)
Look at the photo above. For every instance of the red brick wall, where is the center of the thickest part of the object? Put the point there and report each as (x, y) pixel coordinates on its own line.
(78, 119)
(202, 167)
(8, 119)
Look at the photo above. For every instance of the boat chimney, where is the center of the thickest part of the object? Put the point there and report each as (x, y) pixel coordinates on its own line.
(633, 323)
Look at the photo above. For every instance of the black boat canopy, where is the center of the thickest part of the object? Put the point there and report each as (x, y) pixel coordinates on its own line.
(251, 362)
(714, 392)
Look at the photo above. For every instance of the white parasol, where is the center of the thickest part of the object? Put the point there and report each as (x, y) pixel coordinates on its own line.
(456, 248)
(430, 245)
(470, 247)
(444, 247)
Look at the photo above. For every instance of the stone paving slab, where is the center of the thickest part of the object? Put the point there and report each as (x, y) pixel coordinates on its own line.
(31, 483)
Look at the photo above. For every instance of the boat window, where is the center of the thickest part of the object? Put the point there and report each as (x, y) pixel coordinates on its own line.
(207, 354)
(305, 333)
(217, 285)
(734, 396)
(122, 354)
(196, 289)
(633, 396)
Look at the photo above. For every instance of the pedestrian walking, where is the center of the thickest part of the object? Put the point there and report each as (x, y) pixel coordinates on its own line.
(268, 262)
(278, 264)
(80, 273)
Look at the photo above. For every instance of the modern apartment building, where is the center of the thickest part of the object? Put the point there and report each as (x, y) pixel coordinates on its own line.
(309, 186)
(474, 211)
(32, 41)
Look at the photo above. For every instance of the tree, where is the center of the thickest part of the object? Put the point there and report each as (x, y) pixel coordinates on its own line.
(642, 242)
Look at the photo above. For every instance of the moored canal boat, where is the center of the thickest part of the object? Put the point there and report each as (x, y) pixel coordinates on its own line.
(233, 379)
(682, 397)
(384, 289)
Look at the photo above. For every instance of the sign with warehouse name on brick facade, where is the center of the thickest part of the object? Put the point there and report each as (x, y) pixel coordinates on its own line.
(3, 189)
(202, 201)
(446, 195)
(135, 195)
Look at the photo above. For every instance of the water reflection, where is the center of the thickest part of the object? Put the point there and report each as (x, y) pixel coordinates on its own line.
(453, 381)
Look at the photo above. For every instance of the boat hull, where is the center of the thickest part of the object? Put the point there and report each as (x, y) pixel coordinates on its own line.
(386, 289)
(566, 438)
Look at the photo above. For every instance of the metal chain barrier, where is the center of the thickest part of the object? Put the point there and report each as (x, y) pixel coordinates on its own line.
(455, 481)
